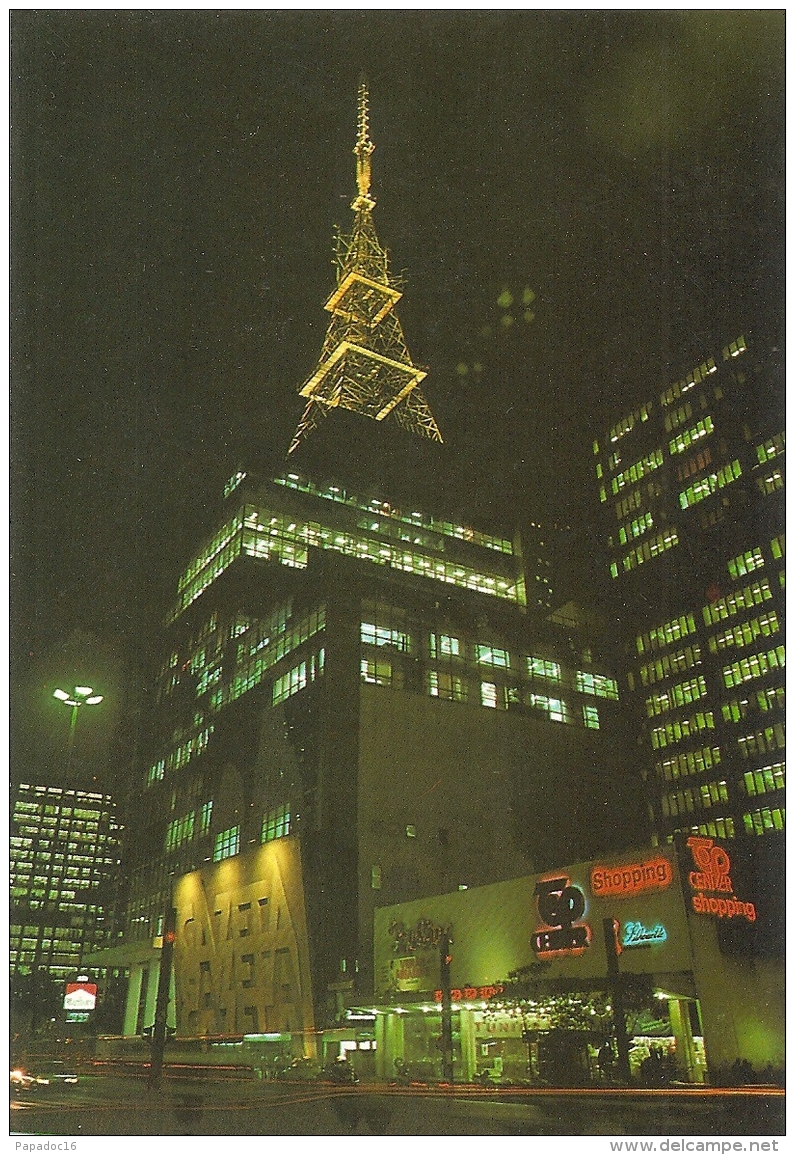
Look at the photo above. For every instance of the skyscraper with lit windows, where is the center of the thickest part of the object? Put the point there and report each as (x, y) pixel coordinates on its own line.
(362, 699)
(691, 484)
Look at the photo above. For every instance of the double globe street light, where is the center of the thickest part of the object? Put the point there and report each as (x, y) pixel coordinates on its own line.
(79, 696)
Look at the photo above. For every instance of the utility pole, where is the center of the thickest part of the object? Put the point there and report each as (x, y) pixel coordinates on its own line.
(446, 1041)
(159, 1031)
(617, 995)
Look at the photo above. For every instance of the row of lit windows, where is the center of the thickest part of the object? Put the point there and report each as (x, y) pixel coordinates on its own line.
(762, 700)
(688, 762)
(384, 509)
(663, 541)
(298, 677)
(715, 828)
(660, 636)
(635, 528)
(770, 483)
(191, 748)
(764, 820)
(688, 800)
(670, 664)
(637, 470)
(251, 671)
(762, 741)
(766, 780)
(682, 694)
(700, 373)
(688, 437)
(754, 666)
(746, 563)
(627, 424)
(746, 633)
(745, 599)
(184, 829)
(675, 731)
(734, 348)
(770, 449)
(710, 484)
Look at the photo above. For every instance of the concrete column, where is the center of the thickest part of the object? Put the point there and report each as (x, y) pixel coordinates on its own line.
(133, 995)
(151, 993)
(469, 1058)
(687, 1067)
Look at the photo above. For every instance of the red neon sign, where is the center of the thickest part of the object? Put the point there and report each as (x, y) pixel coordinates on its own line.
(712, 875)
(459, 994)
(631, 878)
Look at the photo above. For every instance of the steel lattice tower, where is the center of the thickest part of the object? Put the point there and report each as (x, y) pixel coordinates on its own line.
(364, 364)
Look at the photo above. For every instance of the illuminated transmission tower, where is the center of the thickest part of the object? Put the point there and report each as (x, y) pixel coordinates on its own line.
(364, 364)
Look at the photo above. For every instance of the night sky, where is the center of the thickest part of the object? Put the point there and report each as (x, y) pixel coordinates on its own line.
(177, 176)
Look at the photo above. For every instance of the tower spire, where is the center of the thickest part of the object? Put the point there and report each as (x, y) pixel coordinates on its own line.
(363, 151)
(364, 364)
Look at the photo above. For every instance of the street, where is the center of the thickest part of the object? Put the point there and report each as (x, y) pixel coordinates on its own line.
(205, 1105)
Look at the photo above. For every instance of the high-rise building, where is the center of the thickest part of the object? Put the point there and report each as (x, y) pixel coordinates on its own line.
(64, 855)
(692, 487)
(360, 702)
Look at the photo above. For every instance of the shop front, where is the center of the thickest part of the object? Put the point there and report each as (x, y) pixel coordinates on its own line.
(641, 967)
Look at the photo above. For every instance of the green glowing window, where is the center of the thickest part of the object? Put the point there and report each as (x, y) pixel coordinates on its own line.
(555, 709)
(709, 485)
(590, 716)
(745, 633)
(688, 762)
(488, 695)
(678, 729)
(376, 672)
(380, 636)
(276, 824)
(227, 843)
(766, 780)
(668, 664)
(762, 741)
(746, 562)
(735, 348)
(598, 684)
(744, 599)
(637, 470)
(651, 548)
(442, 646)
(688, 437)
(205, 814)
(180, 831)
(446, 685)
(492, 656)
(770, 449)
(771, 482)
(543, 668)
(764, 820)
(777, 546)
(678, 417)
(754, 666)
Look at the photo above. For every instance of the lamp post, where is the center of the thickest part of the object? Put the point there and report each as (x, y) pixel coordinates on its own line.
(79, 696)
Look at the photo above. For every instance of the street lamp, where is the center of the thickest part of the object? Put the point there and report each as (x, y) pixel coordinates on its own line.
(79, 696)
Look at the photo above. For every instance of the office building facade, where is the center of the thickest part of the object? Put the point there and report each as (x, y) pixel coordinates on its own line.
(691, 485)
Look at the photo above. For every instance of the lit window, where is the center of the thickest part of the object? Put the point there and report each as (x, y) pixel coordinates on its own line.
(488, 695)
(598, 684)
(276, 824)
(492, 656)
(446, 685)
(590, 716)
(227, 843)
(543, 668)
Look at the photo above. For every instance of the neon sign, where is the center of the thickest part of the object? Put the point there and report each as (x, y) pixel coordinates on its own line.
(712, 875)
(621, 881)
(636, 934)
(560, 904)
(459, 994)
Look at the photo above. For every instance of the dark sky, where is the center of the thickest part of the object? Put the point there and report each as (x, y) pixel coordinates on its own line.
(176, 179)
